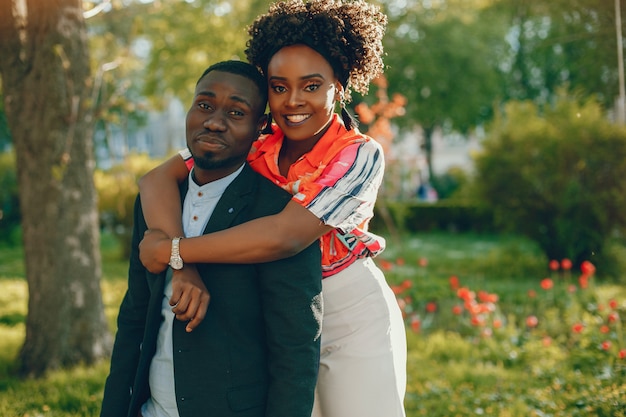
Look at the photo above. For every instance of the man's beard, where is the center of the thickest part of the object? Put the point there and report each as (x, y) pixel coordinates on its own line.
(208, 161)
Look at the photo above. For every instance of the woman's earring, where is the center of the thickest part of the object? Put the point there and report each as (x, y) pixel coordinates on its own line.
(268, 126)
(348, 120)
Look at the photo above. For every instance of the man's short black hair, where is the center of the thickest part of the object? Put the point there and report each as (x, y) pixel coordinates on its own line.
(245, 70)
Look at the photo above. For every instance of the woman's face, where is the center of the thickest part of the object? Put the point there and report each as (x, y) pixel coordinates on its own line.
(302, 92)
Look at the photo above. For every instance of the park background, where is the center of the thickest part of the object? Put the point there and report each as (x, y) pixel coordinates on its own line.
(503, 202)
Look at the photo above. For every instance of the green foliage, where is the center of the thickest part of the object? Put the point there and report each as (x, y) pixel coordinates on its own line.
(117, 190)
(556, 175)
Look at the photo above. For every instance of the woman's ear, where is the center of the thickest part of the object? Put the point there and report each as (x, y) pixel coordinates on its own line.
(338, 91)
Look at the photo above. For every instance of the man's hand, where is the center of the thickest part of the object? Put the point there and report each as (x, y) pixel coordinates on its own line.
(154, 250)
(190, 298)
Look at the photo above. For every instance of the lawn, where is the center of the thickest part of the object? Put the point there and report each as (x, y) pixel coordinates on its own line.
(492, 331)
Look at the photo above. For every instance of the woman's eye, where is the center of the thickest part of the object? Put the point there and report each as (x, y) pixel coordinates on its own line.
(312, 87)
(279, 89)
(237, 113)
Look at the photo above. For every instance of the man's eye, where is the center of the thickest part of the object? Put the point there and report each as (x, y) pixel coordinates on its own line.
(204, 106)
(237, 113)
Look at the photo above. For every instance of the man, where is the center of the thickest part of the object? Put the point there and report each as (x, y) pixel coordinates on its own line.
(256, 353)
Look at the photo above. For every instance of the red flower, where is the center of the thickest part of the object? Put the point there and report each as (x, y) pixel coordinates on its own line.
(397, 289)
(604, 329)
(532, 294)
(385, 265)
(457, 310)
(613, 304)
(431, 307)
(532, 321)
(566, 264)
(477, 321)
(454, 282)
(546, 284)
(587, 268)
(612, 317)
(546, 341)
(606, 345)
(406, 284)
(554, 265)
(415, 324)
(423, 262)
(571, 288)
(497, 323)
(578, 327)
(400, 261)
(583, 280)
(622, 354)
(465, 294)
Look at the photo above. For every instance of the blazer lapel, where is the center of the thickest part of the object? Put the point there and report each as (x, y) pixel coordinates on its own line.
(235, 198)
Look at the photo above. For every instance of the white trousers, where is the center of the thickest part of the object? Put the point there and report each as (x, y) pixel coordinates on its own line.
(363, 357)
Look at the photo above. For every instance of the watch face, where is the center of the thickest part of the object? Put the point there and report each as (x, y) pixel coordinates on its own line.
(176, 263)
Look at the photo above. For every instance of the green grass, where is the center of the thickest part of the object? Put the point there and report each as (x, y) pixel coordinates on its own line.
(455, 368)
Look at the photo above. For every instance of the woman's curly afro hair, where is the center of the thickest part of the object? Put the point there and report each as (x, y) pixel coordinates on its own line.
(348, 33)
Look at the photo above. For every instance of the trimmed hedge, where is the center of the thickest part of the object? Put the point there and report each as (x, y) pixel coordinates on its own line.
(416, 216)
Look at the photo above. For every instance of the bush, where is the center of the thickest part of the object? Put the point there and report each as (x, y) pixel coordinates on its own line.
(117, 190)
(557, 176)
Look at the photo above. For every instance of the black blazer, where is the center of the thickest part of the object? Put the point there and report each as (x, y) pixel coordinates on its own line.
(256, 354)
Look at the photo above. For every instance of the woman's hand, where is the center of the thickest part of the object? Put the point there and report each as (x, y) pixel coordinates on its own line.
(154, 250)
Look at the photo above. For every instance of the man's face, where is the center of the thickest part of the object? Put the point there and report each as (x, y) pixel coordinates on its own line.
(223, 121)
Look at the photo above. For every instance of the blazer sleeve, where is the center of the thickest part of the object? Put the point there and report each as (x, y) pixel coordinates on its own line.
(292, 308)
(131, 322)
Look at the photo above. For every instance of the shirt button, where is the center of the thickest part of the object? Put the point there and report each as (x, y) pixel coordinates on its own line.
(195, 217)
(200, 194)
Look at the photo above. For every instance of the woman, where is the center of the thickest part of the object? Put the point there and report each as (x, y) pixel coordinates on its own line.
(312, 54)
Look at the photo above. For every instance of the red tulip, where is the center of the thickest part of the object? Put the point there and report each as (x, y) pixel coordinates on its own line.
(578, 327)
(606, 345)
(532, 294)
(454, 283)
(431, 307)
(622, 354)
(457, 310)
(554, 265)
(423, 262)
(546, 284)
(415, 324)
(566, 264)
(587, 268)
(532, 321)
(613, 304)
(612, 317)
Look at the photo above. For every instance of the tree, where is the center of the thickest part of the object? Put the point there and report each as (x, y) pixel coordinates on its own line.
(444, 59)
(44, 66)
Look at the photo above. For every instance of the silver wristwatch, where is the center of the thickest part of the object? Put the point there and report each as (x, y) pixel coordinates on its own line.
(176, 262)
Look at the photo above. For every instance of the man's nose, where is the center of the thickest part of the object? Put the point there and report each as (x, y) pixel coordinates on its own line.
(214, 121)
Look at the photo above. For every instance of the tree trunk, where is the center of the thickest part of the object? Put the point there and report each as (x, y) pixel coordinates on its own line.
(44, 65)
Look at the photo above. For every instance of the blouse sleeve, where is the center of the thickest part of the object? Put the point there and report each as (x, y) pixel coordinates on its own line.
(186, 155)
(343, 196)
